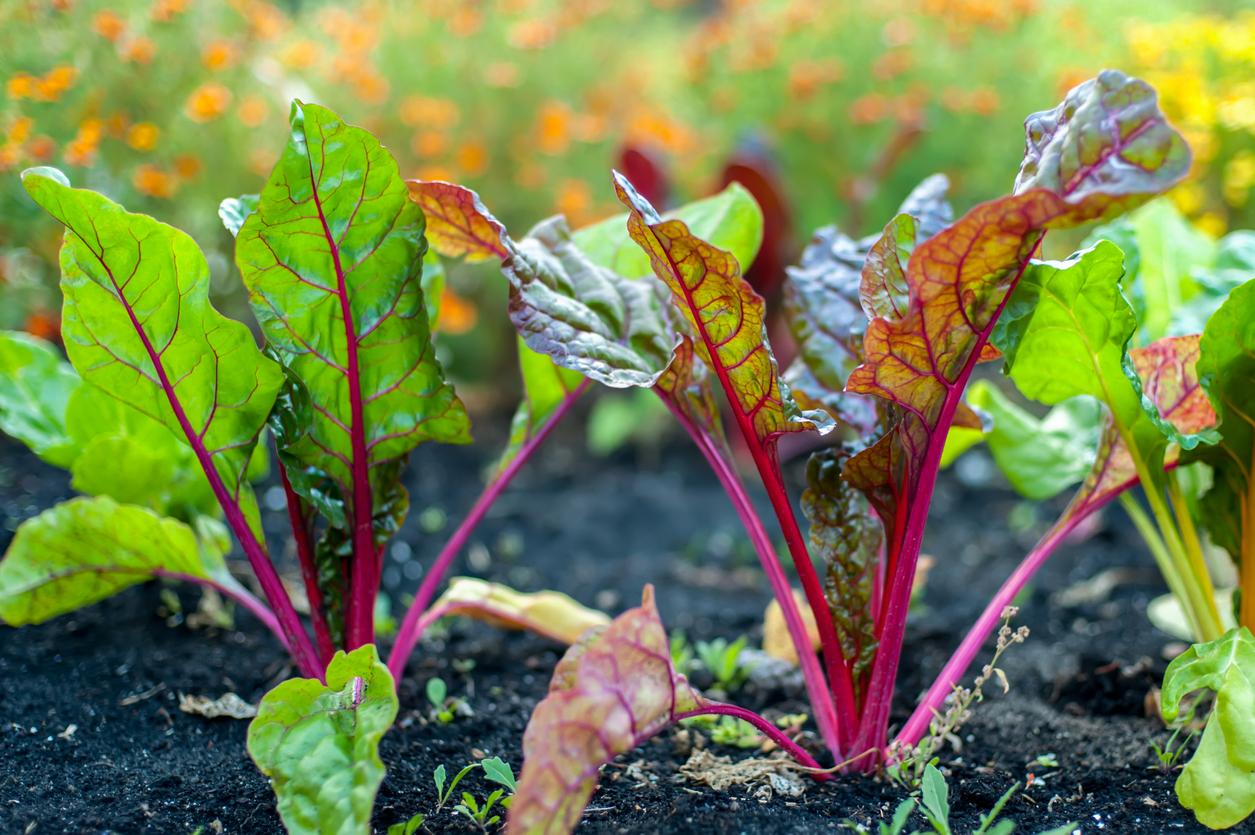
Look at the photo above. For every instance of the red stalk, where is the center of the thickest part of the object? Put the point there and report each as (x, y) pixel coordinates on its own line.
(309, 571)
(363, 585)
(417, 619)
(764, 727)
(812, 674)
(904, 552)
(272, 587)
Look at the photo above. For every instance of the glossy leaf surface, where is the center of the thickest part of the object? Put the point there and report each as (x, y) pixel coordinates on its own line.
(319, 744)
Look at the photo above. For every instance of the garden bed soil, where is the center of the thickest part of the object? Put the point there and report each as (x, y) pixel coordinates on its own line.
(93, 740)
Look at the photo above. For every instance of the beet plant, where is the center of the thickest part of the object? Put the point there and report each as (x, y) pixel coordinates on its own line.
(890, 336)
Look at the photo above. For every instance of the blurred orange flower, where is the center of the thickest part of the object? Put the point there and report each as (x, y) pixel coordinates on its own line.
(43, 324)
(300, 54)
(207, 102)
(143, 136)
(20, 129)
(187, 166)
(218, 55)
(575, 200)
(472, 158)
(21, 86)
(501, 74)
(421, 111)
(41, 148)
(429, 143)
(531, 34)
(868, 109)
(465, 21)
(457, 315)
(108, 25)
(553, 127)
(164, 11)
(139, 50)
(152, 181)
(253, 111)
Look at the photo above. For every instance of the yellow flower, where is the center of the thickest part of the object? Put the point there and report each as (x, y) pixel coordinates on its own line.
(20, 129)
(299, 55)
(207, 102)
(143, 136)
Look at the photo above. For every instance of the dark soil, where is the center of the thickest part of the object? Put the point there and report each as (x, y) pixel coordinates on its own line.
(597, 530)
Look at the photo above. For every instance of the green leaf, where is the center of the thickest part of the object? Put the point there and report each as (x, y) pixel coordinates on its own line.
(137, 323)
(1163, 249)
(1040, 457)
(546, 386)
(1226, 368)
(87, 549)
(233, 211)
(332, 259)
(35, 387)
(1218, 784)
(319, 744)
(499, 771)
(730, 220)
(936, 796)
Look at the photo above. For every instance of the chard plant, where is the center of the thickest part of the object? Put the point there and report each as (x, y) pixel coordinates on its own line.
(890, 330)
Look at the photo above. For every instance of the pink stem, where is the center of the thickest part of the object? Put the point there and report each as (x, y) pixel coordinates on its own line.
(272, 587)
(764, 727)
(915, 728)
(874, 724)
(812, 674)
(414, 624)
(309, 570)
(237, 593)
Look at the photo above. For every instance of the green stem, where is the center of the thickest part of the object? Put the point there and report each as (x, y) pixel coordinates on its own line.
(1163, 558)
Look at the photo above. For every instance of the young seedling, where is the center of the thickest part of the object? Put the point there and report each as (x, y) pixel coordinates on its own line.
(724, 663)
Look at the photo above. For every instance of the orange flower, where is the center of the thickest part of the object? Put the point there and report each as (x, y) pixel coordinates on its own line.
(575, 200)
(501, 74)
(806, 77)
(457, 315)
(143, 136)
(166, 10)
(421, 111)
(868, 109)
(299, 55)
(253, 111)
(43, 324)
(434, 172)
(80, 151)
(261, 160)
(152, 181)
(108, 25)
(207, 102)
(41, 148)
(217, 55)
(984, 100)
(465, 21)
(139, 51)
(531, 34)
(553, 127)
(472, 158)
(892, 64)
(429, 143)
(20, 129)
(21, 86)
(61, 78)
(8, 159)
(187, 166)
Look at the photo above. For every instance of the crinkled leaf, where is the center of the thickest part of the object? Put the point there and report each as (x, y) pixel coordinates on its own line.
(847, 538)
(35, 386)
(332, 259)
(233, 211)
(725, 315)
(585, 317)
(549, 613)
(87, 549)
(1226, 367)
(610, 692)
(137, 323)
(319, 744)
(1218, 783)
(546, 387)
(1041, 457)
(825, 313)
(730, 220)
(687, 386)
(1105, 149)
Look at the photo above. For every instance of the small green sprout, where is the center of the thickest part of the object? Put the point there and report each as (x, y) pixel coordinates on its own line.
(723, 661)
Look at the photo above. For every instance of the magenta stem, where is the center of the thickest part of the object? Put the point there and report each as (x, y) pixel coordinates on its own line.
(764, 727)
(272, 587)
(309, 570)
(234, 592)
(874, 724)
(414, 624)
(812, 674)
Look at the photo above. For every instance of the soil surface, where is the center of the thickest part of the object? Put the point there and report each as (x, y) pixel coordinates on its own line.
(93, 740)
